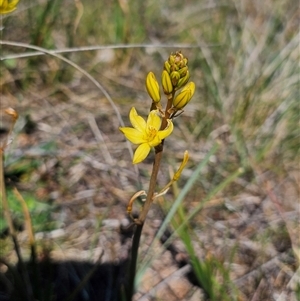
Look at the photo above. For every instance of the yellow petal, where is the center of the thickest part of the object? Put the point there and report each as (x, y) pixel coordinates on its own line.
(7, 7)
(141, 153)
(13, 3)
(167, 131)
(154, 120)
(133, 135)
(155, 141)
(137, 121)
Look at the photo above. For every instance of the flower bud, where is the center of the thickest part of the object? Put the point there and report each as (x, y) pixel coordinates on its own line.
(183, 71)
(178, 57)
(183, 63)
(152, 87)
(167, 66)
(176, 66)
(184, 96)
(175, 76)
(183, 80)
(166, 82)
(182, 166)
(172, 59)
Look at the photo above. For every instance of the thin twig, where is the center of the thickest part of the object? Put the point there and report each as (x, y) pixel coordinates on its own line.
(101, 47)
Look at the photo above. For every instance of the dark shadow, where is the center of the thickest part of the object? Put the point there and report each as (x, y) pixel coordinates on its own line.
(65, 281)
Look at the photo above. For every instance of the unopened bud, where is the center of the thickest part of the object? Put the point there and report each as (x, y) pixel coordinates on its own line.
(183, 80)
(166, 82)
(152, 87)
(167, 67)
(175, 76)
(183, 71)
(184, 96)
(172, 59)
(182, 166)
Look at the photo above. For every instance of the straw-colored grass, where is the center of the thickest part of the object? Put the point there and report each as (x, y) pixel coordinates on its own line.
(236, 223)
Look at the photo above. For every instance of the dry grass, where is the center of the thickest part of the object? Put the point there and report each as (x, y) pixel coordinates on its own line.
(67, 150)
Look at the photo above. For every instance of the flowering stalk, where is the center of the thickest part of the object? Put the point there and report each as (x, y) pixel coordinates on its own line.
(151, 134)
(142, 216)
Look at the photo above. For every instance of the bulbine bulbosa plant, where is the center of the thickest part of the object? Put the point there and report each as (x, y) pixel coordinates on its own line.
(151, 133)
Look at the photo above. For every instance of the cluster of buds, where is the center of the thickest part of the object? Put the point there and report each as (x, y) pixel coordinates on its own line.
(176, 73)
(175, 76)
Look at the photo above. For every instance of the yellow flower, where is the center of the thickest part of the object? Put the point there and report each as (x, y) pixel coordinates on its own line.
(7, 6)
(146, 134)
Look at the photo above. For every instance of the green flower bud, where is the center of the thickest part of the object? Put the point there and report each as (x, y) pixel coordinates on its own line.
(184, 96)
(183, 80)
(175, 76)
(172, 59)
(152, 87)
(166, 82)
(183, 71)
(167, 66)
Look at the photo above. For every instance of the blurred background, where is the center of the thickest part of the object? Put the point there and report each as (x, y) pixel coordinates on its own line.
(73, 166)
